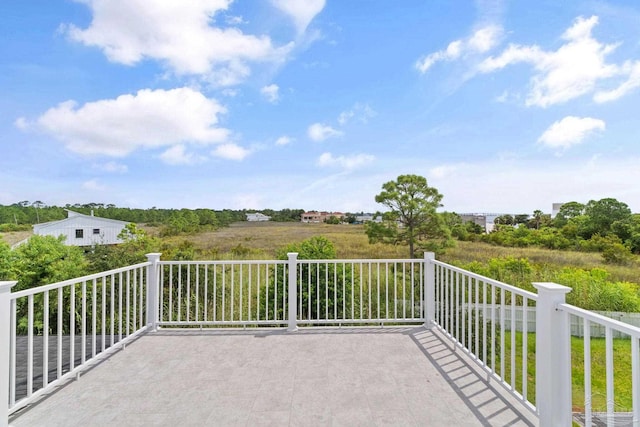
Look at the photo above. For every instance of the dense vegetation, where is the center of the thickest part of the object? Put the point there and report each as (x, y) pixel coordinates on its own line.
(22, 215)
(605, 228)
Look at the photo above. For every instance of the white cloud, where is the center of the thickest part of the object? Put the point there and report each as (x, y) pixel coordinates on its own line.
(284, 140)
(362, 113)
(571, 71)
(177, 155)
(319, 132)
(443, 171)
(632, 83)
(481, 41)
(21, 123)
(230, 151)
(112, 167)
(570, 131)
(271, 93)
(301, 12)
(345, 162)
(235, 20)
(148, 119)
(93, 185)
(178, 34)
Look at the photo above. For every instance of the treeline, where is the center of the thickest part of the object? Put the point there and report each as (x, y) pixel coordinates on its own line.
(607, 226)
(22, 215)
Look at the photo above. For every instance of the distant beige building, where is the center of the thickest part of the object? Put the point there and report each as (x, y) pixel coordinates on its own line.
(315, 216)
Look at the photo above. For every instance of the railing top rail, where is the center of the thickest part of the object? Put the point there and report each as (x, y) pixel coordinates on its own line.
(44, 288)
(626, 328)
(502, 285)
(308, 261)
(223, 262)
(363, 261)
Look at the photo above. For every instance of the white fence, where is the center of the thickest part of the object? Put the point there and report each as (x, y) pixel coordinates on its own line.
(54, 332)
(597, 330)
(65, 327)
(294, 292)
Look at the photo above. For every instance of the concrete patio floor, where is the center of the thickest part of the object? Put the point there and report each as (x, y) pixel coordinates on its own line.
(396, 376)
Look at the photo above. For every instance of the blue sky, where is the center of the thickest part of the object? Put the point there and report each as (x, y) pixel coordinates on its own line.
(503, 106)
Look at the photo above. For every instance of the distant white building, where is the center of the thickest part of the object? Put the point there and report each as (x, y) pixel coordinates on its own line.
(361, 219)
(83, 230)
(257, 217)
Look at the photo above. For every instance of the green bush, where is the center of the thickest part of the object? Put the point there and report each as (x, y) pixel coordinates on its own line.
(5, 228)
(592, 290)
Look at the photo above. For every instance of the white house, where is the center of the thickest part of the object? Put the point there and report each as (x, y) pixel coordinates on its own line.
(257, 217)
(83, 230)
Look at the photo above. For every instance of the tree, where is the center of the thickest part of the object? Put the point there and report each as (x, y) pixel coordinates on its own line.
(504, 220)
(412, 217)
(601, 214)
(333, 283)
(539, 219)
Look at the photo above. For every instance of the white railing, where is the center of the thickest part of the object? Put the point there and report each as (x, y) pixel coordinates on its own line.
(74, 323)
(615, 413)
(491, 322)
(480, 315)
(245, 293)
(58, 330)
(222, 293)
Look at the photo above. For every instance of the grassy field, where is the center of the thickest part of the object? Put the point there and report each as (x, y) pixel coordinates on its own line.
(263, 240)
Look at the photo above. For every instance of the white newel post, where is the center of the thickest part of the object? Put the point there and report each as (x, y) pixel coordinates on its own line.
(553, 356)
(292, 287)
(153, 286)
(5, 349)
(429, 290)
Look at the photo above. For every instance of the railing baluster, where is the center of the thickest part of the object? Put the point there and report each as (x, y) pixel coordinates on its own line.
(188, 294)
(83, 353)
(493, 329)
(45, 340)
(180, 292)
(609, 375)
(103, 311)
(112, 308)
(635, 379)
(30, 345)
(513, 341)
(120, 306)
(197, 292)
(215, 293)
(12, 353)
(205, 309)
(525, 349)
(586, 330)
(72, 327)
(484, 322)
(60, 309)
(503, 328)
